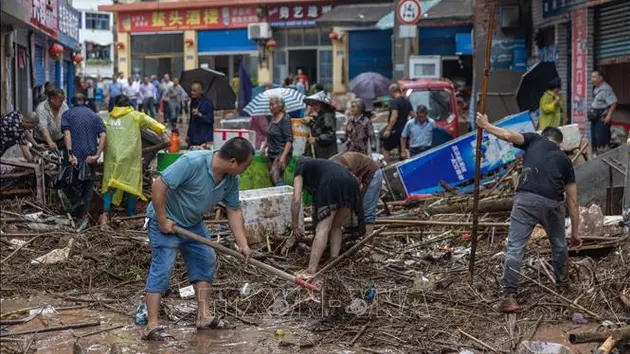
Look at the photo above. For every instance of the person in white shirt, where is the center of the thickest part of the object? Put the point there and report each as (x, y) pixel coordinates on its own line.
(132, 91)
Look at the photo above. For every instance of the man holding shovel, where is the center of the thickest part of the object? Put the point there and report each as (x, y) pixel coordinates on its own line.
(182, 195)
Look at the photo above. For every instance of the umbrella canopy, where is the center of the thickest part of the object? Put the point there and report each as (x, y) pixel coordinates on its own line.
(259, 106)
(320, 97)
(369, 86)
(216, 85)
(534, 84)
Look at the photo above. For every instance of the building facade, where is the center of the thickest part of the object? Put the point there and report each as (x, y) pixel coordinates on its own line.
(581, 37)
(167, 38)
(97, 39)
(39, 43)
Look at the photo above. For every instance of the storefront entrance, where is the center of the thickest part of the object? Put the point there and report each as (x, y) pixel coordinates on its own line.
(157, 55)
(305, 60)
(309, 49)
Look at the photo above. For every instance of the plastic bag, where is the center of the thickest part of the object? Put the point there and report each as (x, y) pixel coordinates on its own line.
(72, 175)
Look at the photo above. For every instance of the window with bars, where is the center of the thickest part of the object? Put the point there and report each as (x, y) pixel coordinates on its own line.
(96, 21)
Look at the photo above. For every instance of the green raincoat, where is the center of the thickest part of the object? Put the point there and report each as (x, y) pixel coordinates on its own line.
(551, 115)
(123, 152)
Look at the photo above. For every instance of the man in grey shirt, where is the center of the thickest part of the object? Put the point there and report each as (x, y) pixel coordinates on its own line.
(601, 112)
(174, 98)
(49, 115)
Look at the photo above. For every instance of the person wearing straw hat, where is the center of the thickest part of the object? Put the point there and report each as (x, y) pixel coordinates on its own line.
(323, 126)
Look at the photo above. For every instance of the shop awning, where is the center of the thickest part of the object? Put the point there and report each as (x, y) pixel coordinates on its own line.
(223, 42)
(388, 20)
(448, 12)
(354, 15)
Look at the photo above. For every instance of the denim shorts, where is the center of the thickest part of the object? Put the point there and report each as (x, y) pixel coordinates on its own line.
(200, 259)
(371, 196)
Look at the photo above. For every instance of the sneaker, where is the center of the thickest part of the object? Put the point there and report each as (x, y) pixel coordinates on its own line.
(84, 224)
(509, 304)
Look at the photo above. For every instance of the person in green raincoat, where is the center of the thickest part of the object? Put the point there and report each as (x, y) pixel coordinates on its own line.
(122, 167)
(552, 112)
(323, 126)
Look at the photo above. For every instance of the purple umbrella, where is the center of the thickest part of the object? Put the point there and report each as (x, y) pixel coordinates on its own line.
(369, 86)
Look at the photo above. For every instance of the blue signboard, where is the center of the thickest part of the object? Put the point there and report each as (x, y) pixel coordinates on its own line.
(69, 23)
(454, 162)
(555, 7)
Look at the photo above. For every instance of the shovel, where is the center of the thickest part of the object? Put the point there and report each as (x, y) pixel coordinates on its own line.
(269, 269)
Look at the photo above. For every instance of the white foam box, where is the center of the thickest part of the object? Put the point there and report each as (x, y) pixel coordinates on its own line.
(236, 123)
(267, 212)
(572, 137)
(221, 136)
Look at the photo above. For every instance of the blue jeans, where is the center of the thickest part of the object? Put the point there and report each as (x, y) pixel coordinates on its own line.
(200, 259)
(148, 106)
(529, 210)
(371, 196)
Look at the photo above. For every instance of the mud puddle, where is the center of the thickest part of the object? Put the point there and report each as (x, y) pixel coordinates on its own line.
(271, 336)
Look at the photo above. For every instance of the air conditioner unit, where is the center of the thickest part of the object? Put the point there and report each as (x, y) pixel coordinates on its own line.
(257, 31)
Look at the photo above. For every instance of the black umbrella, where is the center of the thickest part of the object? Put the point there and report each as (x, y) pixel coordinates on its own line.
(216, 86)
(534, 84)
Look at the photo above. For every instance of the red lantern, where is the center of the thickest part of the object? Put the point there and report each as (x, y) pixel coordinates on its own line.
(77, 58)
(189, 42)
(120, 45)
(272, 43)
(56, 51)
(333, 36)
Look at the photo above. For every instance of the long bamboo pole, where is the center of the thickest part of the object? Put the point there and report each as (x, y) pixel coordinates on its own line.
(482, 109)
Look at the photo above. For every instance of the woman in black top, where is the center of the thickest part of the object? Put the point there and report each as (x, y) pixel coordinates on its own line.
(279, 144)
(336, 193)
(323, 126)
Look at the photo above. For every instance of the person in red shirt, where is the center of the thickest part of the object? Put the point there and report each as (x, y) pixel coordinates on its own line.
(300, 76)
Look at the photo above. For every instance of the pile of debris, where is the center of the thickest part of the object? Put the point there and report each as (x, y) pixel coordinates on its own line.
(405, 290)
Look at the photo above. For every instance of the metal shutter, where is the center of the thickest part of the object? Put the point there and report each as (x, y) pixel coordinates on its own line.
(370, 50)
(40, 72)
(612, 30)
(563, 63)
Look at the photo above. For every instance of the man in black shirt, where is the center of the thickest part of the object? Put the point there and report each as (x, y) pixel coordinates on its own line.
(546, 177)
(399, 110)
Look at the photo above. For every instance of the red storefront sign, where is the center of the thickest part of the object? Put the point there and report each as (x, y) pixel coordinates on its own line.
(44, 15)
(581, 81)
(187, 19)
(296, 15)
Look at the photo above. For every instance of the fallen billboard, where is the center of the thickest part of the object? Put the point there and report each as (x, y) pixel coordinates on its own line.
(454, 162)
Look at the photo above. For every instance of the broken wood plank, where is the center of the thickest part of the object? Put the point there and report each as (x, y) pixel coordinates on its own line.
(485, 206)
(409, 222)
(51, 329)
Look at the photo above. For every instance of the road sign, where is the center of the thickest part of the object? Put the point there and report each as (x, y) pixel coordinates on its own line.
(408, 12)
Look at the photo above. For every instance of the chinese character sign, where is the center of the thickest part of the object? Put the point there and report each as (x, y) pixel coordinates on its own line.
(296, 15)
(44, 15)
(69, 24)
(187, 19)
(579, 29)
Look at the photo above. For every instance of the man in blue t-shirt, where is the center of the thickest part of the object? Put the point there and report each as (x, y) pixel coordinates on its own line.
(115, 90)
(182, 195)
(84, 137)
